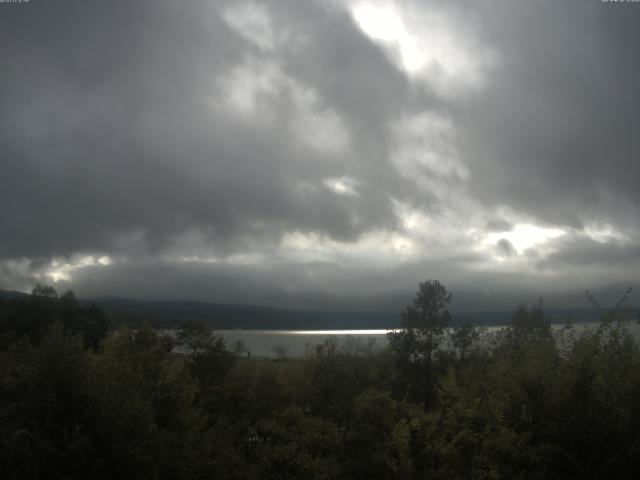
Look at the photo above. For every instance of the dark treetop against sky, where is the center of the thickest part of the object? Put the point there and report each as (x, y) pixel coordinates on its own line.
(321, 153)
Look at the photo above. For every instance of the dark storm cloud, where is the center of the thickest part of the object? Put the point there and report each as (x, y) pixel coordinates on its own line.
(107, 130)
(581, 252)
(555, 134)
(166, 137)
(505, 248)
(322, 286)
(82, 81)
(309, 285)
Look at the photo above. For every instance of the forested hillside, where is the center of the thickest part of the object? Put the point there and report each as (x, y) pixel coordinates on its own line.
(80, 402)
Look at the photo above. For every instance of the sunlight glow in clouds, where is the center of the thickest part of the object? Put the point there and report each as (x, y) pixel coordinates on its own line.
(64, 271)
(524, 236)
(426, 45)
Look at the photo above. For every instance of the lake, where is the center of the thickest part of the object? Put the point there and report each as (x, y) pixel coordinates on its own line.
(274, 343)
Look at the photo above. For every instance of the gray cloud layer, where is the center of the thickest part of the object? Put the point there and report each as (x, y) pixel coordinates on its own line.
(285, 153)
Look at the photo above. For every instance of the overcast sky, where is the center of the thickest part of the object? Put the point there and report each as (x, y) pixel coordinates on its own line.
(322, 153)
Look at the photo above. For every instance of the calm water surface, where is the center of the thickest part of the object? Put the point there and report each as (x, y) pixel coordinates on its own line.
(272, 343)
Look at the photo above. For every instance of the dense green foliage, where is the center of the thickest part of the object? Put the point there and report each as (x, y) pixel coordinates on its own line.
(78, 403)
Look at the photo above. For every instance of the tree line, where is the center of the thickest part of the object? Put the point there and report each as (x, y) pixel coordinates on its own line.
(79, 400)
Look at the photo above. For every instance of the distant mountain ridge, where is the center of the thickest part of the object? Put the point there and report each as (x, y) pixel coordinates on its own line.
(228, 317)
(9, 294)
(170, 314)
